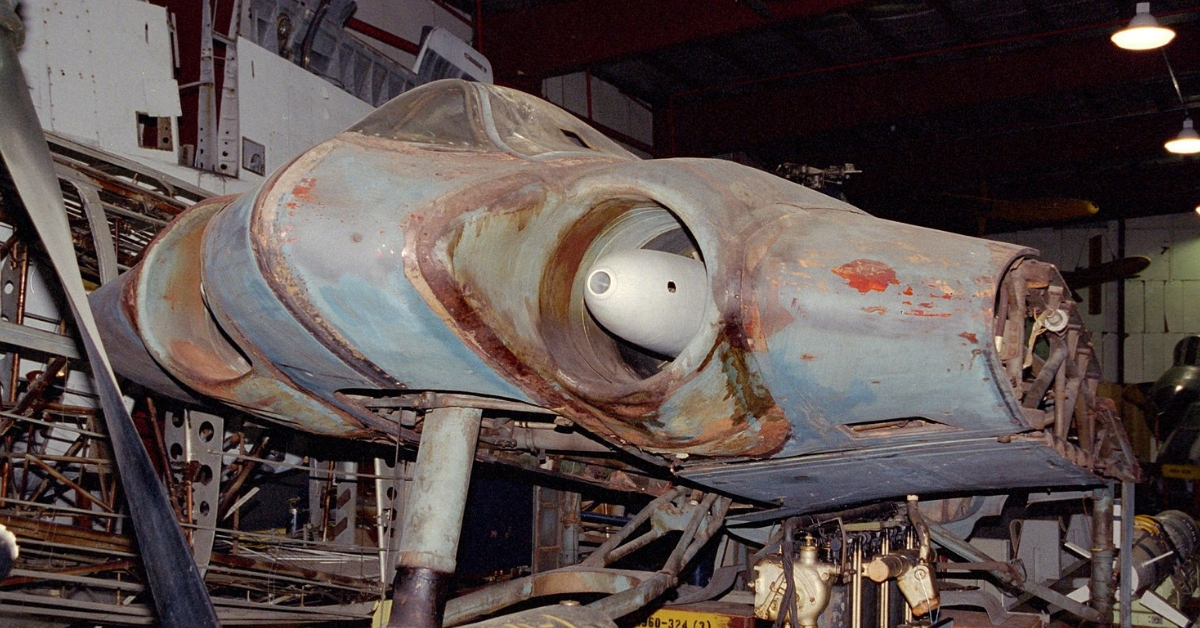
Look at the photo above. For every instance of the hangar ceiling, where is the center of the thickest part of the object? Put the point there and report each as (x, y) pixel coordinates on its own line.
(1006, 99)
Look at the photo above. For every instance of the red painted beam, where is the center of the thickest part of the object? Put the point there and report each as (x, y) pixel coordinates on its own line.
(558, 38)
(389, 38)
(722, 123)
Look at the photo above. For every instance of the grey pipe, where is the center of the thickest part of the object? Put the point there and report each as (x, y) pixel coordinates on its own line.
(1102, 554)
(433, 516)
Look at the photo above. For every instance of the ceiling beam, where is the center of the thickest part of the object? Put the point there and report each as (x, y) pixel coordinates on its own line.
(717, 123)
(564, 37)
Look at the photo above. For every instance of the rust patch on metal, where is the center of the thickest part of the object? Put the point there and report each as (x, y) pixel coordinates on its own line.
(969, 337)
(866, 275)
(128, 301)
(875, 309)
(202, 363)
(927, 313)
(808, 357)
(303, 190)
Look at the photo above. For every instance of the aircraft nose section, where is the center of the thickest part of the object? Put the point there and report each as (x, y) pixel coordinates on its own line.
(863, 328)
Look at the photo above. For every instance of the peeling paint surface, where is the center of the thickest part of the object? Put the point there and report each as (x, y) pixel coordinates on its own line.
(890, 357)
(866, 275)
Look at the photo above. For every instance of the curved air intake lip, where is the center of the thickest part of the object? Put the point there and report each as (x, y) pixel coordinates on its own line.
(652, 299)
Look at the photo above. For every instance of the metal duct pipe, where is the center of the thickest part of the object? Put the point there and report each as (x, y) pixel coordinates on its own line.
(1102, 553)
(433, 517)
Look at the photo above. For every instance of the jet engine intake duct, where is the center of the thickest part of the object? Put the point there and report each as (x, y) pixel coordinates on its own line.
(635, 298)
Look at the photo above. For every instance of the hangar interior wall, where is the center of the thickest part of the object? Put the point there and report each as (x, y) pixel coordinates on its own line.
(1162, 304)
(606, 106)
(95, 66)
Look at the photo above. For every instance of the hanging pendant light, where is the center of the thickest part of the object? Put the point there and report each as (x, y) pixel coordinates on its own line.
(1187, 142)
(1143, 32)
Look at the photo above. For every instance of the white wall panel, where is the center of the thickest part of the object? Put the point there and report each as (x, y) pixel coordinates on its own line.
(552, 90)
(574, 94)
(1155, 307)
(1168, 354)
(1135, 306)
(1106, 353)
(1133, 358)
(1185, 259)
(1154, 347)
(610, 107)
(1154, 244)
(1075, 247)
(1046, 241)
(641, 123)
(1191, 307)
(1153, 223)
(1173, 306)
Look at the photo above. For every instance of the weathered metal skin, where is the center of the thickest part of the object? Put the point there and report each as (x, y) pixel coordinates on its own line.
(894, 323)
(442, 243)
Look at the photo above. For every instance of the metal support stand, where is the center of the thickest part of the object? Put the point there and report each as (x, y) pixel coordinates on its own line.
(344, 504)
(1126, 581)
(1102, 553)
(193, 441)
(856, 585)
(885, 607)
(971, 553)
(391, 494)
(433, 517)
(555, 530)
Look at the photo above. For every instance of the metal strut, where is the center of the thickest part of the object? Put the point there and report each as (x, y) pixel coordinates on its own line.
(433, 517)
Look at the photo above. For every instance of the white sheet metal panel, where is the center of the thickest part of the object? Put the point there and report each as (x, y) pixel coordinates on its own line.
(406, 18)
(100, 62)
(287, 109)
(71, 69)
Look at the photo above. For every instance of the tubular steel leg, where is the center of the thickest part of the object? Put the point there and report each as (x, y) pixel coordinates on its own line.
(1102, 553)
(856, 584)
(433, 517)
(1126, 554)
(885, 607)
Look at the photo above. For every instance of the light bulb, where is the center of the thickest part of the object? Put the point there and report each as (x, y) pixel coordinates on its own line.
(1143, 32)
(1187, 142)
